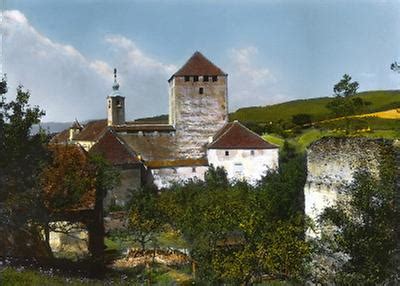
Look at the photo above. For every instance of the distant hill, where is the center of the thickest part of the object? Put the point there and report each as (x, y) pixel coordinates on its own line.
(51, 127)
(155, 119)
(316, 107)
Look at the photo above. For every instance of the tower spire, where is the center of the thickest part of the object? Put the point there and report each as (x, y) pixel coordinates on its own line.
(116, 84)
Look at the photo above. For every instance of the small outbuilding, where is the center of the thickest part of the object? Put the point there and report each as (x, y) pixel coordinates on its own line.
(243, 153)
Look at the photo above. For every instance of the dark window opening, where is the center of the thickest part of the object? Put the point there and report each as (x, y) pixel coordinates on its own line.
(205, 78)
(187, 78)
(215, 78)
(118, 103)
(201, 90)
(226, 153)
(196, 78)
(194, 170)
(252, 152)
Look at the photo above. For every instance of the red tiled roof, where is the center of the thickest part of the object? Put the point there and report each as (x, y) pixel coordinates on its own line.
(198, 65)
(92, 130)
(114, 150)
(236, 136)
(152, 148)
(60, 137)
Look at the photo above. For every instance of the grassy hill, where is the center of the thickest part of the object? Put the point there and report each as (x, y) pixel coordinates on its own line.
(316, 107)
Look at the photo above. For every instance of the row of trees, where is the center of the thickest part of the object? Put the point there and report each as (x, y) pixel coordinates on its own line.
(236, 233)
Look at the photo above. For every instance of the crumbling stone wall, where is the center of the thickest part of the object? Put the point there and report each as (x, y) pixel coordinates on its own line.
(332, 163)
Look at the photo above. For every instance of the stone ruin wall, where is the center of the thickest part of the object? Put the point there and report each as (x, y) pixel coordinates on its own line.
(332, 163)
(197, 116)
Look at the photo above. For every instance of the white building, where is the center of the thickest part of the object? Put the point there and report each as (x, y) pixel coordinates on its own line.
(242, 153)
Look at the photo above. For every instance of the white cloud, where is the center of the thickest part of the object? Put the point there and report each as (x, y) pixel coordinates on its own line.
(67, 84)
(250, 84)
(143, 78)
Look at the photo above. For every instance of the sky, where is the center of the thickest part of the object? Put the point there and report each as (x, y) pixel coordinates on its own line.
(64, 51)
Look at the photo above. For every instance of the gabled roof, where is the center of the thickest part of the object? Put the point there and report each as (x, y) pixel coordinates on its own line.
(92, 131)
(198, 65)
(236, 136)
(61, 137)
(150, 148)
(114, 150)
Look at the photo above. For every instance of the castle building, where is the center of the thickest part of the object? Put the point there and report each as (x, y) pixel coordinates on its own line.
(196, 134)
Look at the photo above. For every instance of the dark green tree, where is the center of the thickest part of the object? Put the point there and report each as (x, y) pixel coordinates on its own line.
(395, 67)
(22, 156)
(365, 226)
(302, 119)
(345, 103)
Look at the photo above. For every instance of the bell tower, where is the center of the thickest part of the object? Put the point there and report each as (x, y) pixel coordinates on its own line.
(198, 104)
(115, 105)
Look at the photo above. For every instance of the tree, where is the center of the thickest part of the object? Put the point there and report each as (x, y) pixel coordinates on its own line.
(22, 156)
(144, 218)
(395, 67)
(345, 103)
(301, 119)
(365, 227)
(238, 233)
(74, 185)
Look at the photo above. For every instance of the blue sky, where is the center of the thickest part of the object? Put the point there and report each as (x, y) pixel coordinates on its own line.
(273, 51)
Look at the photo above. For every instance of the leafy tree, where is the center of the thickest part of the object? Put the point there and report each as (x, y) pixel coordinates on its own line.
(238, 233)
(345, 103)
(302, 119)
(145, 221)
(365, 227)
(395, 67)
(22, 156)
(67, 181)
(75, 181)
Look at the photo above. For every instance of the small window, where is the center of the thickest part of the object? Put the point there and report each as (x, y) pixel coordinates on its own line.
(215, 78)
(205, 78)
(196, 78)
(201, 90)
(226, 153)
(193, 169)
(187, 78)
(252, 152)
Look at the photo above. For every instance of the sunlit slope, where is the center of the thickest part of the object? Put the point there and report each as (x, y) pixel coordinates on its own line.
(380, 100)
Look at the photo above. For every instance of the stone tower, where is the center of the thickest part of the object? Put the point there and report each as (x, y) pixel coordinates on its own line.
(115, 105)
(198, 105)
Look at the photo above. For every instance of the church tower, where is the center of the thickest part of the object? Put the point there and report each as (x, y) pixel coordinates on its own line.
(198, 105)
(115, 105)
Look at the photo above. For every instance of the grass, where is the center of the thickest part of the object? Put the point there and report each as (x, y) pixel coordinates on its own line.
(274, 139)
(316, 107)
(12, 277)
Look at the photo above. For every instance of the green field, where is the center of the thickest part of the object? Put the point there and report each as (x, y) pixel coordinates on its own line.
(316, 107)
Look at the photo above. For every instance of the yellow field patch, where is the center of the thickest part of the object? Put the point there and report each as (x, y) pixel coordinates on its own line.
(388, 114)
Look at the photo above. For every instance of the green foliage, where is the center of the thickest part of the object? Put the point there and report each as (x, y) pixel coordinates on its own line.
(345, 88)
(145, 220)
(365, 225)
(395, 67)
(301, 119)
(238, 233)
(22, 156)
(345, 103)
